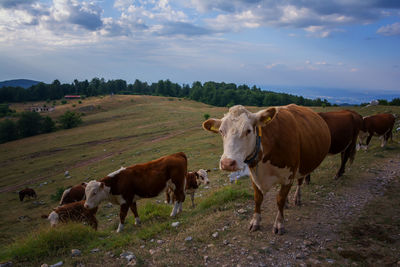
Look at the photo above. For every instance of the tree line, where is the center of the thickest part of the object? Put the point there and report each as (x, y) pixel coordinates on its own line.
(213, 93)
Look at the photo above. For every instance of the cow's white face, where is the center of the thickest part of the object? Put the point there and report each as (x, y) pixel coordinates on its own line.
(238, 131)
(95, 193)
(203, 177)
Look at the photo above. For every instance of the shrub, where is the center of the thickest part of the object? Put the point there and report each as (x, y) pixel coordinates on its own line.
(70, 120)
(79, 102)
(8, 131)
(206, 116)
(63, 101)
(48, 125)
(57, 196)
(29, 124)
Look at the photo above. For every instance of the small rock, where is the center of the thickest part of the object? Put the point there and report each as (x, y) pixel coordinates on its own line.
(215, 235)
(307, 242)
(262, 265)
(189, 238)
(6, 264)
(225, 242)
(160, 241)
(175, 224)
(95, 250)
(66, 173)
(315, 261)
(210, 245)
(206, 258)
(241, 211)
(132, 262)
(108, 205)
(60, 263)
(250, 258)
(300, 256)
(152, 251)
(75, 252)
(44, 265)
(142, 246)
(128, 255)
(151, 240)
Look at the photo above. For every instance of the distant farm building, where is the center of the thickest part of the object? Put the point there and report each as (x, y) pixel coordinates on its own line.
(72, 97)
(40, 109)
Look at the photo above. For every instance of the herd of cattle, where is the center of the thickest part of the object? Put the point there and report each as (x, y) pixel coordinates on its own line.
(280, 145)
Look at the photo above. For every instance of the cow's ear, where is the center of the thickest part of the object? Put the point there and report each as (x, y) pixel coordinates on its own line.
(84, 184)
(212, 125)
(263, 117)
(208, 170)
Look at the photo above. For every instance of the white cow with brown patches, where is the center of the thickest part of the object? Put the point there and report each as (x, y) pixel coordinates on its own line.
(279, 144)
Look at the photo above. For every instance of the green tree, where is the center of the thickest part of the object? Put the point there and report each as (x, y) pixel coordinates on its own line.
(8, 131)
(70, 120)
(29, 124)
(48, 125)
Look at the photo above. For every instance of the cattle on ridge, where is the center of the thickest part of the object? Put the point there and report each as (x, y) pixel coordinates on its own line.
(279, 144)
(377, 125)
(126, 185)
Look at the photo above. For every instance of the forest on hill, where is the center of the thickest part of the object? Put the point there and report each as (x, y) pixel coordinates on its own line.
(212, 93)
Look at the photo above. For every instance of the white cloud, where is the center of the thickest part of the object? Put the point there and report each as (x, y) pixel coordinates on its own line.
(390, 30)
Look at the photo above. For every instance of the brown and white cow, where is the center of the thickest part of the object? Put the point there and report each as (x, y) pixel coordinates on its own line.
(378, 125)
(73, 194)
(279, 144)
(193, 181)
(75, 212)
(146, 180)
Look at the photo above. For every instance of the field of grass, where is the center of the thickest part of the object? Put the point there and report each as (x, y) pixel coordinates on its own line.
(121, 131)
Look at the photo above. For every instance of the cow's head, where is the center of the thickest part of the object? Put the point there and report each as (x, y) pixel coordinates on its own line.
(238, 131)
(95, 193)
(203, 176)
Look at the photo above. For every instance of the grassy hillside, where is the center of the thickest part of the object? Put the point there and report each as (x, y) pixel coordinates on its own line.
(120, 131)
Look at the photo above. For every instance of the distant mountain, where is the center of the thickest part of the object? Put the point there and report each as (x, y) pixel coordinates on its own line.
(24, 83)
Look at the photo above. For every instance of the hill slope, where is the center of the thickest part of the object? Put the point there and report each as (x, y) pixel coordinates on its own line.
(24, 83)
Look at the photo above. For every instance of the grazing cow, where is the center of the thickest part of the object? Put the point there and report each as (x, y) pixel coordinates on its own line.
(378, 125)
(146, 180)
(279, 144)
(73, 194)
(193, 180)
(75, 212)
(26, 192)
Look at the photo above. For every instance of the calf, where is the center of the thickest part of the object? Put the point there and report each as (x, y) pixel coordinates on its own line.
(26, 192)
(73, 194)
(193, 180)
(146, 180)
(75, 212)
(378, 125)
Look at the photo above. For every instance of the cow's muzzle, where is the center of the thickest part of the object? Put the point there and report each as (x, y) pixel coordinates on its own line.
(228, 164)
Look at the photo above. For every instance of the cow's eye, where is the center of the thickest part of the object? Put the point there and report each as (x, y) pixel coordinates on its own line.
(248, 131)
(94, 193)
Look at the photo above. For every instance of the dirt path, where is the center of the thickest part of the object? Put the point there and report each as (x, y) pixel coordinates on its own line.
(315, 232)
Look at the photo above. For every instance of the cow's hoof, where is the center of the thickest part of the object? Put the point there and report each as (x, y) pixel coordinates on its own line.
(297, 202)
(254, 227)
(278, 231)
(137, 222)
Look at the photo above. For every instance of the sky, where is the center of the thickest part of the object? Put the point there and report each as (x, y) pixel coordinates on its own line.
(348, 45)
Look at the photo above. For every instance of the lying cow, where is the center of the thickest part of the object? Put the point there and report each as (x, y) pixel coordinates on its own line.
(73, 194)
(146, 180)
(26, 192)
(75, 212)
(378, 125)
(193, 180)
(279, 144)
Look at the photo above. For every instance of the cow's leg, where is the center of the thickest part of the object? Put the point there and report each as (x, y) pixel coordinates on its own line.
(368, 140)
(258, 199)
(344, 157)
(297, 194)
(280, 199)
(167, 196)
(134, 210)
(192, 198)
(124, 208)
(308, 179)
(179, 199)
(92, 221)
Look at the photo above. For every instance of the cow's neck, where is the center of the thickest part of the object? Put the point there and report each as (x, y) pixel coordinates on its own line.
(111, 182)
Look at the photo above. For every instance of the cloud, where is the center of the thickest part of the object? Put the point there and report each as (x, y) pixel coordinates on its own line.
(389, 30)
(182, 28)
(15, 3)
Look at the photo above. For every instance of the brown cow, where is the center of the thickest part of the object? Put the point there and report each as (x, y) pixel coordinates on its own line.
(146, 180)
(279, 144)
(75, 212)
(73, 194)
(26, 192)
(378, 125)
(193, 180)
